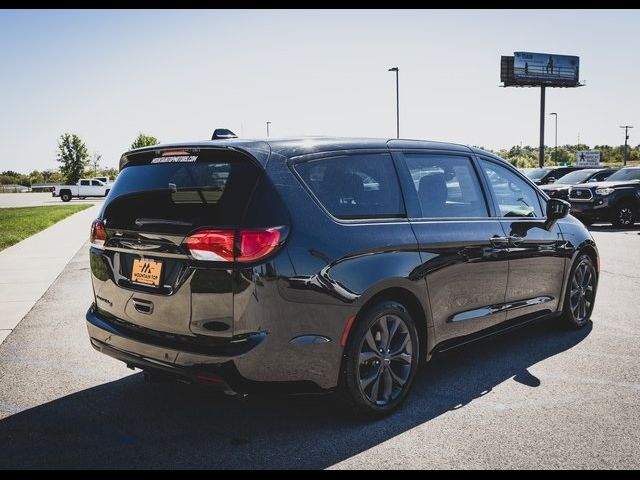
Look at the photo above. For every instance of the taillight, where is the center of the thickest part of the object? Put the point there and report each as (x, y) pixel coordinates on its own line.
(98, 234)
(256, 244)
(215, 245)
(232, 245)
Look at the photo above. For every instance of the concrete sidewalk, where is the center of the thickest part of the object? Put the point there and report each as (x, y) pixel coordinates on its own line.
(28, 268)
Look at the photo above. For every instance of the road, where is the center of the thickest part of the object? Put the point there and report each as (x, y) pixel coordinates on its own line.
(37, 199)
(542, 397)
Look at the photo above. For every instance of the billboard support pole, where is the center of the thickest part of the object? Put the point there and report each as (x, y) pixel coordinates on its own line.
(541, 148)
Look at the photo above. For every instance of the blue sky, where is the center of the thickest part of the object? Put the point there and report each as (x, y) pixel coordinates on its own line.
(107, 75)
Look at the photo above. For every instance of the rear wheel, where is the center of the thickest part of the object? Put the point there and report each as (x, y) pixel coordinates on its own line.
(65, 196)
(381, 360)
(581, 292)
(624, 216)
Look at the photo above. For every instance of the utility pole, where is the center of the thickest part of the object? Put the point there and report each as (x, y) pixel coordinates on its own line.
(268, 123)
(541, 148)
(626, 139)
(396, 69)
(555, 151)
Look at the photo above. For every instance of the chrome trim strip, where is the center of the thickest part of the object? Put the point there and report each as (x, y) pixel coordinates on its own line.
(150, 253)
(493, 309)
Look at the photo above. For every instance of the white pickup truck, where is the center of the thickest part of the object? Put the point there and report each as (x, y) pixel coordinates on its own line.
(86, 187)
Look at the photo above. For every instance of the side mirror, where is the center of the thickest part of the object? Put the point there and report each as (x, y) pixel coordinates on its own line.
(556, 209)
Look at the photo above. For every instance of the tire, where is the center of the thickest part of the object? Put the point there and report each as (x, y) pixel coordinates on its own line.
(624, 216)
(65, 196)
(581, 292)
(374, 384)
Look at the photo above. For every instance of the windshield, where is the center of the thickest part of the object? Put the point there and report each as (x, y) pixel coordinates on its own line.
(625, 174)
(538, 173)
(578, 176)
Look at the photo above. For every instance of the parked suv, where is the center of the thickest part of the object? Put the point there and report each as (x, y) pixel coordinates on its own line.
(560, 188)
(322, 265)
(616, 200)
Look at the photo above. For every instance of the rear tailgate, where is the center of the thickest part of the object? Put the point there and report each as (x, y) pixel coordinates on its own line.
(145, 274)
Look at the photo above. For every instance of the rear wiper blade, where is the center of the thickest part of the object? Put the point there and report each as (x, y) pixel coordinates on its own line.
(141, 222)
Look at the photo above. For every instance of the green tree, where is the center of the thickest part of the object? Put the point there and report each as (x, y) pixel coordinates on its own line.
(73, 155)
(52, 176)
(36, 177)
(143, 140)
(108, 172)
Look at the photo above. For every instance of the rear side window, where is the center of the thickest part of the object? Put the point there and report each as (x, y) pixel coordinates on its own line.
(446, 186)
(178, 197)
(355, 186)
(84, 183)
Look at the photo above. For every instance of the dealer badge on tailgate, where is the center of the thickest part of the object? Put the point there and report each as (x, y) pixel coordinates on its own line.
(146, 271)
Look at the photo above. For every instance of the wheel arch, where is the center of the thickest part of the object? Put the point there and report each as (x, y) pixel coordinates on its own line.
(626, 198)
(410, 299)
(586, 247)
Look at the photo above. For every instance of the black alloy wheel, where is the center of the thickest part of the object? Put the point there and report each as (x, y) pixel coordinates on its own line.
(381, 359)
(624, 216)
(581, 292)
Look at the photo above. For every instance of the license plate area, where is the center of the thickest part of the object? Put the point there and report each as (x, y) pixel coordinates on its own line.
(146, 271)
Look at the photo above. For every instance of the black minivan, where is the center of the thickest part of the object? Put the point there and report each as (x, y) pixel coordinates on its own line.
(325, 265)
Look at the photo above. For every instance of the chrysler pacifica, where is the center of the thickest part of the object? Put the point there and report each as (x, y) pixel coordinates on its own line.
(325, 265)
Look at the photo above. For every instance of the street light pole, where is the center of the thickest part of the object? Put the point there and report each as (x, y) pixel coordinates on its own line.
(626, 138)
(541, 147)
(268, 123)
(555, 151)
(397, 70)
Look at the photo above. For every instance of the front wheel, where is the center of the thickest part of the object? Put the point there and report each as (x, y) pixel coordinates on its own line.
(624, 216)
(380, 361)
(581, 292)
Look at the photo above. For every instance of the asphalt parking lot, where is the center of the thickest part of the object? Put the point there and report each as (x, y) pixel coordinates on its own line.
(542, 397)
(37, 199)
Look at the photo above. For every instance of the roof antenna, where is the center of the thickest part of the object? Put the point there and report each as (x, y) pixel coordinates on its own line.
(219, 133)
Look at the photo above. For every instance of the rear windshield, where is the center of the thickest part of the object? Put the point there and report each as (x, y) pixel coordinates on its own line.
(177, 197)
(538, 173)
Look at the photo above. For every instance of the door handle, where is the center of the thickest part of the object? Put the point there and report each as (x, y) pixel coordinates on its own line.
(515, 240)
(499, 242)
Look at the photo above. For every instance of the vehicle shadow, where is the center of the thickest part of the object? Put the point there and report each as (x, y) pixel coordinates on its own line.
(129, 424)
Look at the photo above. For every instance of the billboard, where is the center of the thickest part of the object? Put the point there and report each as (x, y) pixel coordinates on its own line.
(588, 158)
(545, 69)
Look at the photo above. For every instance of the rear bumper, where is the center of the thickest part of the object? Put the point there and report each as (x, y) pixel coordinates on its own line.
(232, 367)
